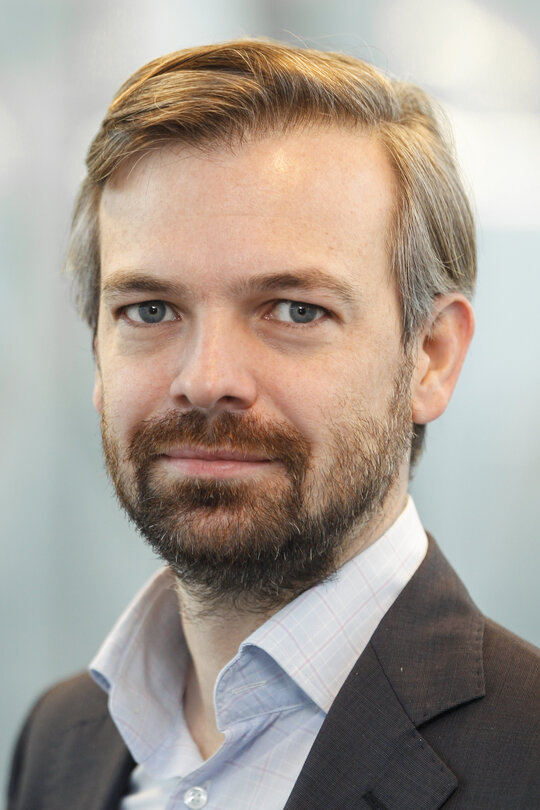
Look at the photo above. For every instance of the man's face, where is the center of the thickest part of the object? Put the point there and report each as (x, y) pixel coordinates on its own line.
(254, 391)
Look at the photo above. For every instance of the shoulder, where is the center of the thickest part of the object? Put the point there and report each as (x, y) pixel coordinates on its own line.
(66, 704)
(469, 686)
(57, 716)
(79, 693)
(492, 743)
(512, 678)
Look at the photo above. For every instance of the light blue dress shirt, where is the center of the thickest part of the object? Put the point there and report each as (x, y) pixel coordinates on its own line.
(270, 699)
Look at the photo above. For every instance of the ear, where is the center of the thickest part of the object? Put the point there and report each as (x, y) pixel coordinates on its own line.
(97, 396)
(441, 350)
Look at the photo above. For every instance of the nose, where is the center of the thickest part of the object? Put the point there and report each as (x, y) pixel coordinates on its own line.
(214, 370)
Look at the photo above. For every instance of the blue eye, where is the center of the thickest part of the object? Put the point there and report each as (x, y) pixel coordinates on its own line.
(297, 312)
(149, 312)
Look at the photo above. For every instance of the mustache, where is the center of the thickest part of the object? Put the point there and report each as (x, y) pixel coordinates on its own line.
(239, 432)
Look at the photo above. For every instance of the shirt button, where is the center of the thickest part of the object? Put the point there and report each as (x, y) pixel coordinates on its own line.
(195, 798)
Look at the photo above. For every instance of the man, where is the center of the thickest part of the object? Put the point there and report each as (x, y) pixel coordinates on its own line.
(276, 256)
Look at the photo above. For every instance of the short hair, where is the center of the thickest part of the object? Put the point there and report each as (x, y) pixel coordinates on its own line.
(224, 94)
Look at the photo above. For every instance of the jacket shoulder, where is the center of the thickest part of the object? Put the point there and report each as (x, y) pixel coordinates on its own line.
(512, 676)
(497, 735)
(67, 729)
(71, 701)
(470, 687)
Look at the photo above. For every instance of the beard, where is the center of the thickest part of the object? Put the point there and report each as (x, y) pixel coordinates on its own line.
(258, 543)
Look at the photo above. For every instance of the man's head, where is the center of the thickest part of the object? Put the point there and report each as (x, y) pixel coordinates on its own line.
(273, 246)
(239, 90)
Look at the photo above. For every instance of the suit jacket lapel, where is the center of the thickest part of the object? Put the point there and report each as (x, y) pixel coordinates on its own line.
(424, 658)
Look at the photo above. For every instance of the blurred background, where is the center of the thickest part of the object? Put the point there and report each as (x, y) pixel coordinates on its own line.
(69, 560)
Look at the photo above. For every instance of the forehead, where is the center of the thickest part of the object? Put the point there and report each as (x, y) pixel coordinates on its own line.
(324, 195)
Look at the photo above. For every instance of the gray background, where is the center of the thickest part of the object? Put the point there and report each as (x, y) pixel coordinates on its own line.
(70, 562)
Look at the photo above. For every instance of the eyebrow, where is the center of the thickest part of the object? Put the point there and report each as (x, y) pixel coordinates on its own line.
(126, 281)
(307, 280)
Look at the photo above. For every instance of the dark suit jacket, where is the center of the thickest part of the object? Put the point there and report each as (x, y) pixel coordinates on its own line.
(441, 710)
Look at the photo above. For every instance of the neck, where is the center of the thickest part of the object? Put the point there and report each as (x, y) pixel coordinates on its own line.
(213, 640)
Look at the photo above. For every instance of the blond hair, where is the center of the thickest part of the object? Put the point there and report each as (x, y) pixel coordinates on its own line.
(225, 93)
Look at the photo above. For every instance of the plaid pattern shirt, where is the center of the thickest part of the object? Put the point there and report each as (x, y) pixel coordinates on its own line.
(270, 699)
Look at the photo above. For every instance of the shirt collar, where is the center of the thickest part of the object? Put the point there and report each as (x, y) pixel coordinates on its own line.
(142, 664)
(319, 636)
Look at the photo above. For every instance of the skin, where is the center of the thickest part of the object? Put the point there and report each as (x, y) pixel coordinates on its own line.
(224, 239)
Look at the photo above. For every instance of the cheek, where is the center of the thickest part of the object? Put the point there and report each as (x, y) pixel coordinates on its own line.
(358, 384)
(307, 395)
(133, 392)
(97, 396)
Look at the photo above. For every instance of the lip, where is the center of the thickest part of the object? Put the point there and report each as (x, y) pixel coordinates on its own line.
(219, 463)
(213, 455)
